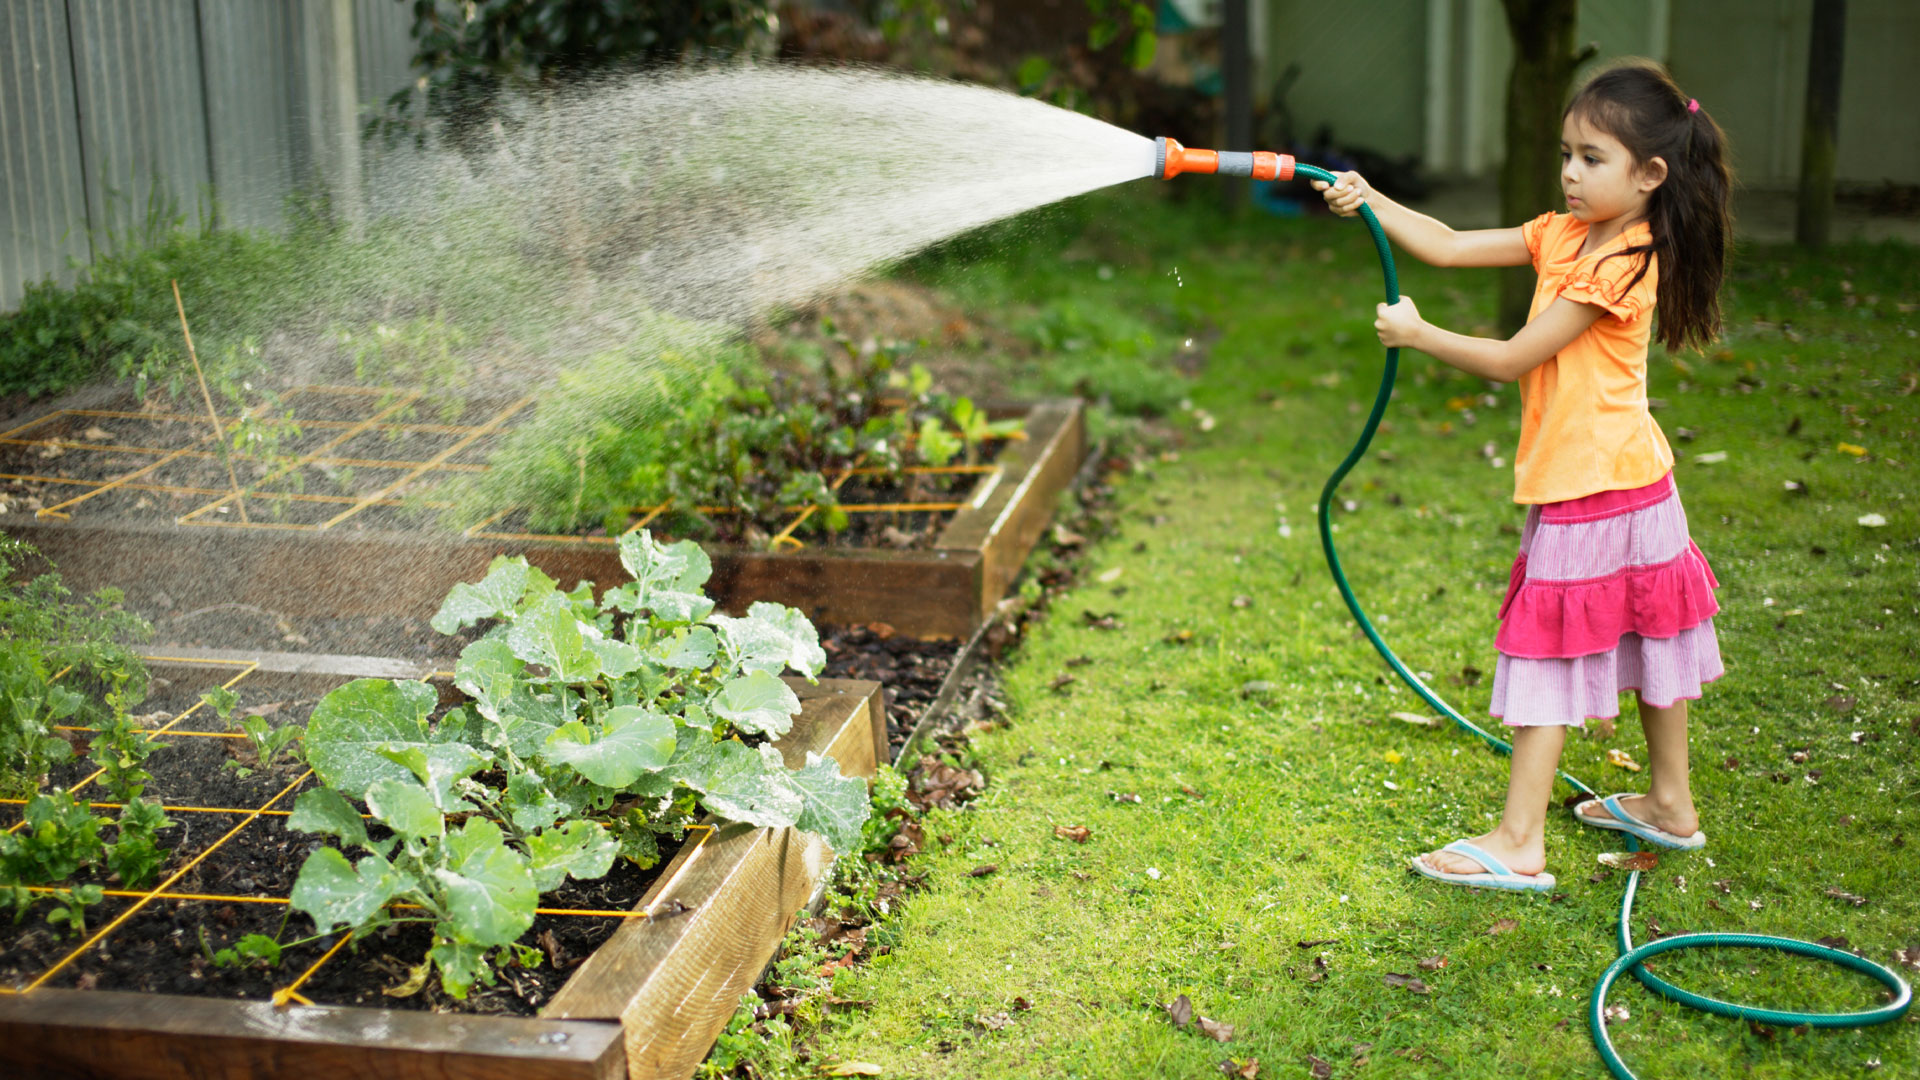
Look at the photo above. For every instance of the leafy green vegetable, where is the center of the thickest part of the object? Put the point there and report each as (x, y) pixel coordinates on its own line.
(593, 728)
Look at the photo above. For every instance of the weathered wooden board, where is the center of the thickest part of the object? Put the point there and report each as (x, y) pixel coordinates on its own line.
(103, 1033)
(647, 1005)
(673, 983)
(942, 592)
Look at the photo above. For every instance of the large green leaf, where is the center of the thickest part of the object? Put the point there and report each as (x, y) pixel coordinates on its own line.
(741, 783)
(490, 892)
(631, 741)
(495, 595)
(583, 850)
(549, 634)
(487, 671)
(336, 892)
(406, 807)
(351, 724)
(771, 638)
(461, 965)
(322, 810)
(667, 579)
(438, 767)
(757, 703)
(530, 804)
(690, 649)
(834, 806)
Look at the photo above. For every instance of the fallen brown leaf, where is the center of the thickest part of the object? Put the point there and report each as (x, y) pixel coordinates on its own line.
(1246, 1070)
(1842, 894)
(1502, 926)
(1314, 943)
(1411, 982)
(1079, 834)
(983, 871)
(1630, 860)
(1180, 1011)
(1060, 682)
(1318, 1069)
(1433, 963)
(1215, 1030)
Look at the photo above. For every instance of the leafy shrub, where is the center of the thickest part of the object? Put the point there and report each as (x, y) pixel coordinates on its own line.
(592, 728)
(44, 634)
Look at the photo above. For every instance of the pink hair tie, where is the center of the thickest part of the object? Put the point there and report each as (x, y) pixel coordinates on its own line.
(1693, 106)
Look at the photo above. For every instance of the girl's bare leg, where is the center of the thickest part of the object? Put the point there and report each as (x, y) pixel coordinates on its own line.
(1520, 840)
(1668, 803)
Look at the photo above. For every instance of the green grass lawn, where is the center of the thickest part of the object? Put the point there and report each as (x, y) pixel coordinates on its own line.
(1262, 869)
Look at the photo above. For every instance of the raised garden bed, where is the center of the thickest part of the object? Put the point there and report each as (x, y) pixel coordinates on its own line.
(144, 499)
(645, 1003)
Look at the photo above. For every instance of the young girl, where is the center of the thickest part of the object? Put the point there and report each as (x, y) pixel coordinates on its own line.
(1608, 592)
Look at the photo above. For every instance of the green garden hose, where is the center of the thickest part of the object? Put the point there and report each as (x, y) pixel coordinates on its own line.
(1630, 956)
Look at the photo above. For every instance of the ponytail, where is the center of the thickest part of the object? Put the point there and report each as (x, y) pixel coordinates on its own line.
(1638, 103)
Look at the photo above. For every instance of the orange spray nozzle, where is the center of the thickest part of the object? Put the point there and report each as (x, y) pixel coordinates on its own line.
(1170, 159)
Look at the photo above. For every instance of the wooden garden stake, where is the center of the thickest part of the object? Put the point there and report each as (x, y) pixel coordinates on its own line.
(219, 433)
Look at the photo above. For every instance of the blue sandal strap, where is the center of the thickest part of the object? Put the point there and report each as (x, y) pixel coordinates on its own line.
(1612, 803)
(1487, 862)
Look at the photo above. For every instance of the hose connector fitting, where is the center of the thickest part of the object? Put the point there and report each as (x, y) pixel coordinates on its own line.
(1170, 159)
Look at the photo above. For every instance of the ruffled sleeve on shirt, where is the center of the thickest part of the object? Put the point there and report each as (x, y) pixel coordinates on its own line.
(1533, 233)
(1604, 282)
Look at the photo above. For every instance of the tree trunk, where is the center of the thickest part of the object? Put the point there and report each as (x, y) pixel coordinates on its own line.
(1824, 54)
(1236, 66)
(1543, 64)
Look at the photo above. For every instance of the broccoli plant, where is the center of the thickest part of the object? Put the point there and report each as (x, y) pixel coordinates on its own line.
(590, 727)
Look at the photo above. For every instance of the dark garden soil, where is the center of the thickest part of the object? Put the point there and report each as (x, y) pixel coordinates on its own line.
(167, 945)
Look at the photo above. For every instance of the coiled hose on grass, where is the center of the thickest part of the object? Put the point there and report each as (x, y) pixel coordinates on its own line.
(1630, 955)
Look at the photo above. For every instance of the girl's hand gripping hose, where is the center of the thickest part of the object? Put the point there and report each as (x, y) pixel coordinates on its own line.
(1172, 159)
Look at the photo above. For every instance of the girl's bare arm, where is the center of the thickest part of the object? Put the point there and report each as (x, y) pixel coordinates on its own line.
(1428, 239)
(1400, 325)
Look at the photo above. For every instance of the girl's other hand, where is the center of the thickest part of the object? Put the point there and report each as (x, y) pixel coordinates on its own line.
(1399, 324)
(1345, 195)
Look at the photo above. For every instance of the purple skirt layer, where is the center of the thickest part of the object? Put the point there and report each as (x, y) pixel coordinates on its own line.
(1608, 594)
(1529, 693)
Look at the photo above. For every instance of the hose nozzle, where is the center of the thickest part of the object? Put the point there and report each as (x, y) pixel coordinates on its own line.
(1170, 159)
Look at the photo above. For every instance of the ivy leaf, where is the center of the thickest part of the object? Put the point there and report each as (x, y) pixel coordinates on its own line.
(667, 579)
(353, 723)
(491, 597)
(335, 892)
(833, 806)
(632, 741)
(322, 810)
(771, 638)
(584, 850)
(742, 784)
(757, 704)
(406, 808)
(490, 893)
(438, 767)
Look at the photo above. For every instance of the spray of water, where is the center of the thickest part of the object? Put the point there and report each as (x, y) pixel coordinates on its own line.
(659, 206)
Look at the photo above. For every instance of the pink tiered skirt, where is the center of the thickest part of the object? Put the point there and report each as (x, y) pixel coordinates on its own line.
(1609, 593)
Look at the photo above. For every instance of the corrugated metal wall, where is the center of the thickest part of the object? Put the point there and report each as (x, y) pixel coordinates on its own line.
(120, 115)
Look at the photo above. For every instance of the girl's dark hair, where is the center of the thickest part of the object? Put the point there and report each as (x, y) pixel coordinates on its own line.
(1638, 103)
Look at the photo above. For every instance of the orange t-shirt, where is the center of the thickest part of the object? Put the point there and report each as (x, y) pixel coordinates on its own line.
(1584, 424)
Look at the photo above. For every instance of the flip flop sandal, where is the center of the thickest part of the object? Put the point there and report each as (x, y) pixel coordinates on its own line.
(1621, 821)
(1495, 876)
